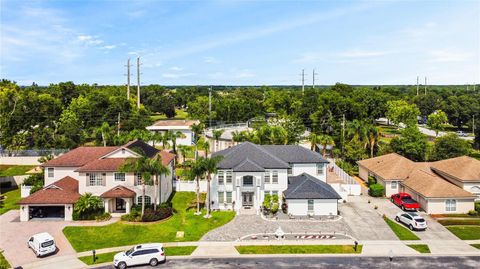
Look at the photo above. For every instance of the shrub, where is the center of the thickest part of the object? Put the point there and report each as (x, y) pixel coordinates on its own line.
(103, 217)
(155, 215)
(477, 207)
(371, 180)
(376, 190)
(267, 200)
(472, 213)
(90, 215)
(275, 198)
(274, 209)
(133, 216)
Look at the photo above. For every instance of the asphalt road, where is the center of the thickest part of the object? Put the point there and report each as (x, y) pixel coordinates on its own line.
(322, 262)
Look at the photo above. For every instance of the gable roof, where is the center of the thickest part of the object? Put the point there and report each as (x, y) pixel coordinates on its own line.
(167, 157)
(148, 150)
(63, 191)
(305, 186)
(79, 156)
(166, 123)
(103, 165)
(389, 166)
(248, 166)
(236, 155)
(428, 184)
(295, 154)
(118, 192)
(463, 168)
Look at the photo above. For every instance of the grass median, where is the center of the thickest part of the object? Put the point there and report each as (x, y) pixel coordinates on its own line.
(299, 249)
(465, 232)
(3, 262)
(401, 232)
(108, 257)
(124, 234)
(420, 248)
(10, 202)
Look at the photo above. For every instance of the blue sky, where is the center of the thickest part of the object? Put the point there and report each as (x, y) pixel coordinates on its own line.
(241, 42)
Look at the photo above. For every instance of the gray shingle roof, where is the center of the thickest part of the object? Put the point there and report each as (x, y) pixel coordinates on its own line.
(262, 157)
(306, 186)
(148, 150)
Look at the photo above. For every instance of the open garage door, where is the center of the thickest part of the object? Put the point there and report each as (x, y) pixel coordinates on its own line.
(47, 212)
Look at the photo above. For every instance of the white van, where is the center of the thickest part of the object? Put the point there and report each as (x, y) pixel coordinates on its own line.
(42, 244)
(142, 254)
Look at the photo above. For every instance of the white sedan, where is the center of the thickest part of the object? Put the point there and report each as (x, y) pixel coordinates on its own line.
(412, 220)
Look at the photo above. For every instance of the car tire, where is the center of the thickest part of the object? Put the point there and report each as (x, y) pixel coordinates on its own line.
(122, 265)
(397, 219)
(410, 227)
(153, 262)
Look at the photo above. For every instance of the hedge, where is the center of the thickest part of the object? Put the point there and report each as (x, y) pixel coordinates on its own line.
(376, 190)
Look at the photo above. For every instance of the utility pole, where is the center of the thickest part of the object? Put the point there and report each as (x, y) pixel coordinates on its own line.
(128, 79)
(118, 124)
(313, 82)
(210, 107)
(417, 85)
(303, 81)
(343, 132)
(473, 124)
(138, 82)
(425, 85)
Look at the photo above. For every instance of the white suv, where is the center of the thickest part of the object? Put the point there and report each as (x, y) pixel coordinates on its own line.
(142, 254)
(412, 220)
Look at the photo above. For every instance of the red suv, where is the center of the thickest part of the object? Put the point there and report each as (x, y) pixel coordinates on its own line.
(405, 201)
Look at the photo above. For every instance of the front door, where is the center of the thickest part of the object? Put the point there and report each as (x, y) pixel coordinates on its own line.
(120, 204)
(247, 199)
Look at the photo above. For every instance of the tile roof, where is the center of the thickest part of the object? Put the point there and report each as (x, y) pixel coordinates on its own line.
(118, 192)
(79, 156)
(63, 191)
(463, 168)
(186, 123)
(167, 157)
(100, 165)
(389, 167)
(306, 186)
(428, 184)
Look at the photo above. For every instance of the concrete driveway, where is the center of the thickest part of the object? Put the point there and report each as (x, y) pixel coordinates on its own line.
(15, 234)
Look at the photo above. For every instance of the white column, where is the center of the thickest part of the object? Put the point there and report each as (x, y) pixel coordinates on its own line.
(127, 204)
(238, 203)
(24, 213)
(68, 212)
(106, 204)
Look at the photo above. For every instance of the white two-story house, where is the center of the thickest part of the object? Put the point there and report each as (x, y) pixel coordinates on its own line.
(248, 171)
(96, 170)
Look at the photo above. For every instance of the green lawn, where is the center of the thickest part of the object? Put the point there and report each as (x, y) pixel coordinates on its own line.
(180, 114)
(420, 248)
(108, 257)
(465, 232)
(448, 222)
(122, 234)
(401, 232)
(12, 197)
(475, 245)
(14, 170)
(3, 262)
(300, 249)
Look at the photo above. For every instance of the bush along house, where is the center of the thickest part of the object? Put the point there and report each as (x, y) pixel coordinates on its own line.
(97, 170)
(295, 174)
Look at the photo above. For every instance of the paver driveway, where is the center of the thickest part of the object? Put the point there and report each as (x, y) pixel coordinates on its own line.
(15, 234)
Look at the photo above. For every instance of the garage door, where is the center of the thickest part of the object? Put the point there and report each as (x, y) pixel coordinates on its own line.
(47, 212)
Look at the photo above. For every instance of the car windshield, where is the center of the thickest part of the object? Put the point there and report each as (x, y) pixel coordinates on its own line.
(130, 251)
(419, 220)
(47, 244)
(406, 199)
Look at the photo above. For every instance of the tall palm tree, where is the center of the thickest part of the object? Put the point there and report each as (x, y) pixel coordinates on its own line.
(313, 138)
(184, 150)
(356, 130)
(237, 137)
(373, 134)
(210, 167)
(197, 130)
(216, 136)
(164, 139)
(197, 171)
(156, 137)
(325, 140)
(104, 130)
(156, 168)
(173, 137)
(139, 166)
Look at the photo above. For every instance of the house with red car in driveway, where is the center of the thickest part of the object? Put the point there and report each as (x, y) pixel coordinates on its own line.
(441, 187)
(96, 170)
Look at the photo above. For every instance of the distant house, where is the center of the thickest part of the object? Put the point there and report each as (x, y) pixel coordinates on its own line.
(448, 186)
(96, 170)
(248, 171)
(183, 126)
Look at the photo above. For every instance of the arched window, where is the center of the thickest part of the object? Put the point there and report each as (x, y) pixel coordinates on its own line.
(148, 200)
(248, 181)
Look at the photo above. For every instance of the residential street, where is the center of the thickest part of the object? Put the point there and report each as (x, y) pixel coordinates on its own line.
(322, 262)
(432, 133)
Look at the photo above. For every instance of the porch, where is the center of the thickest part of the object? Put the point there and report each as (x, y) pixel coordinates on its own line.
(118, 200)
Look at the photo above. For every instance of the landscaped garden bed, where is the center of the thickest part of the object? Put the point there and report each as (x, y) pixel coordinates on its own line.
(299, 249)
(122, 234)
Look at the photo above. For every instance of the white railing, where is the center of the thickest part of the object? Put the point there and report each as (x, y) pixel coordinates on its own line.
(25, 191)
(183, 185)
(347, 179)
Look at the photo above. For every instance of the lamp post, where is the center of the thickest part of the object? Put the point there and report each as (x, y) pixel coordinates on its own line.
(93, 255)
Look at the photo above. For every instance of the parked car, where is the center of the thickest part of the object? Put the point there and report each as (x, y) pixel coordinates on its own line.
(405, 201)
(412, 220)
(142, 254)
(461, 134)
(42, 244)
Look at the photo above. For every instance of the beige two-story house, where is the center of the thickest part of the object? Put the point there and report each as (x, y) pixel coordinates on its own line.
(96, 170)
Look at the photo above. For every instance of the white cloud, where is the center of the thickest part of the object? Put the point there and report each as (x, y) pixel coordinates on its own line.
(89, 40)
(176, 68)
(448, 56)
(109, 47)
(245, 74)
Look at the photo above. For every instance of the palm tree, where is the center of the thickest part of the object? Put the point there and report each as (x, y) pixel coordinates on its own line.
(156, 137)
(210, 167)
(356, 130)
(313, 138)
(197, 130)
(88, 203)
(173, 137)
(104, 130)
(164, 139)
(216, 136)
(198, 172)
(139, 166)
(325, 140)
(237, 137)
(205, 146)
(373, 134)
(184, 150)
(156, 168)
